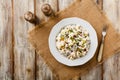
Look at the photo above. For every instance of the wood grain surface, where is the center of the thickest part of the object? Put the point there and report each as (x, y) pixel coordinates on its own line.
(18, 59)
(24, 54)
(6, 49)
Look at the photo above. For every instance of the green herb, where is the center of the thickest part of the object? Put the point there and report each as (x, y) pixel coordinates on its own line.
(72, 38)
(70, 30)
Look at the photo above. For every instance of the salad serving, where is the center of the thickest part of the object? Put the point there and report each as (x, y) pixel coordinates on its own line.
(73, 41)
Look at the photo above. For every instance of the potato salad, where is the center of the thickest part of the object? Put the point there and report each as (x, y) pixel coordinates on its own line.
(73, 41)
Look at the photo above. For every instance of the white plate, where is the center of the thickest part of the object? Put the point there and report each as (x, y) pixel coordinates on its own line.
(52, 41)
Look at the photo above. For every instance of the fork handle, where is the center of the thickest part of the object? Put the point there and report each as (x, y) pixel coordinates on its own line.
(100, 52)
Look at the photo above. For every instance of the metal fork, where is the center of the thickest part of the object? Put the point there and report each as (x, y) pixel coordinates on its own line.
(102, 44)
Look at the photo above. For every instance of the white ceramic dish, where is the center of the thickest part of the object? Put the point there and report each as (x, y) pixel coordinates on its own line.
(52, 41)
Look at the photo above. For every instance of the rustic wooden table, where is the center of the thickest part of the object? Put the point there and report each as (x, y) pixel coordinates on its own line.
(19, 61)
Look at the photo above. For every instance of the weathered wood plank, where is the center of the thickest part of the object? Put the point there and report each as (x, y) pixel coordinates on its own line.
(62, 5)
(43, 71)
(24, 54)
(112, 66)
(6, 60)
(112, 10)
(96, 72)
(65, 3)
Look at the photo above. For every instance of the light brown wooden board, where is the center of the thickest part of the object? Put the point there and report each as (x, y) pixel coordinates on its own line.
(6, 57)
(39, 37)
(24, 54)
(42, 70)
(111, 67)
